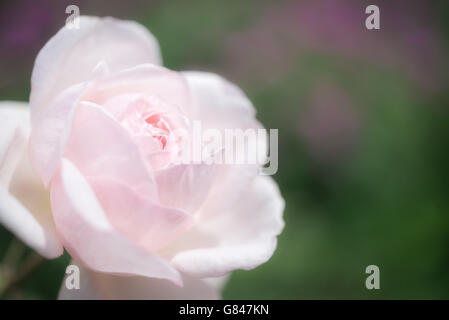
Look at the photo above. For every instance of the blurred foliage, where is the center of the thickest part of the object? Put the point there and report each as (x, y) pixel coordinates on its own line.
(383, 202)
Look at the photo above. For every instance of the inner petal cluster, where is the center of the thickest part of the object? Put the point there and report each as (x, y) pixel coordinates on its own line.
(152, 127)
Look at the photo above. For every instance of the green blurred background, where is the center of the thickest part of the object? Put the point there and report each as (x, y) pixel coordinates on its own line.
(363, 131)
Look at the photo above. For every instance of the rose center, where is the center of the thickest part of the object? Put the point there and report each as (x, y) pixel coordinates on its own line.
(159, 128)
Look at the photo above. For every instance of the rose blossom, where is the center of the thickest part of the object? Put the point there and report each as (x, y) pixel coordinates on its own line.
(89, 167)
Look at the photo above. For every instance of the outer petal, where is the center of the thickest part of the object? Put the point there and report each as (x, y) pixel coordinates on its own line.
(237, 236)
(24, 203)
(95, 286)
(49, 135)
(90, 238)
(71, 55)
(219, 103)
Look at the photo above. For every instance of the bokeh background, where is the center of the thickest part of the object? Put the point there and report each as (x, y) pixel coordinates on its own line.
(363, 132)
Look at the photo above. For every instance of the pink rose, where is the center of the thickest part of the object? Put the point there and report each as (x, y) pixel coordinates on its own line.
(90, 167)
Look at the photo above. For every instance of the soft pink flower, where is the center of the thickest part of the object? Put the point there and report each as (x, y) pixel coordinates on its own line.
(99, 135)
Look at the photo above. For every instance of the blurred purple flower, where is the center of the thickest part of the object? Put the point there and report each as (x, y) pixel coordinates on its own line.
(408, 40)
(23, 24)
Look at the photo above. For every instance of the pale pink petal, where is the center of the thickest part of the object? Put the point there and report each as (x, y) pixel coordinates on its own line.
(233, 181)
(151, 123)
(223, 107)
(237, 236)
(27, 227)
(100, 147)
(218, 283)
(219, 103)
(49, 134)
(137, 216)
(72, 54)
(24, 202)
(186, 186)
(99, 286)
(14, 129)
(166, 86)
(90, 238)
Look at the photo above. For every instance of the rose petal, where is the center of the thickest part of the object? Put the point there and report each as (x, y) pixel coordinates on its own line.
(72, 54)
(100, 147)
(89, 237)
(49, 135)
(239, 236)
(222, 106)
(138, 217)
(186, 186)
(96, 286)
(219, 103)
(166, 86)
(14, 117)
(24, 202)
(34, 232)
